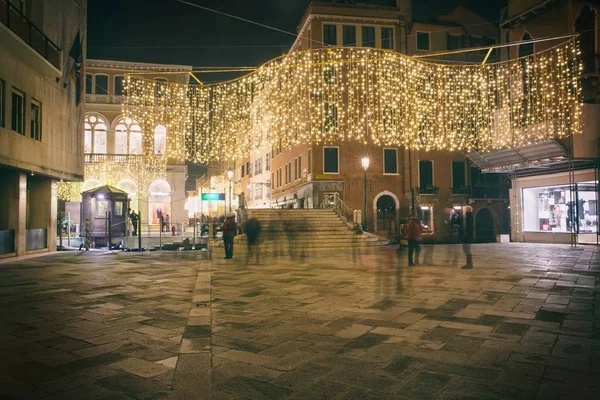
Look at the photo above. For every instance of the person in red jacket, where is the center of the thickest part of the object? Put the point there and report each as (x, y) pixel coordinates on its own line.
(413, 235)
(229, 229)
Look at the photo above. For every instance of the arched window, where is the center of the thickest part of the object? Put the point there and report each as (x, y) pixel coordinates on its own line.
(160, 139)
(95, 135)
(128, 137)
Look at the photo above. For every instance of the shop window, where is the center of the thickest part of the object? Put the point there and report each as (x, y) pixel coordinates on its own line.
(426, 218)
(423, 41)
(390, 161)
(119, 85)
(331, 160)
(349, 35)
(101, 86)
(387, 38)
(425, 176)
(18, 112)
(368, 36)
(101, 208)
(558, 209)
(36, 121)
(330, 35)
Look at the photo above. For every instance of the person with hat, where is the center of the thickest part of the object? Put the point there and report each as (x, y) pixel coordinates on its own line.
(229, 229)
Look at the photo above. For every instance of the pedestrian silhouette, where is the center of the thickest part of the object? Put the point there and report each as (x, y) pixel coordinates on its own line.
(253, 229)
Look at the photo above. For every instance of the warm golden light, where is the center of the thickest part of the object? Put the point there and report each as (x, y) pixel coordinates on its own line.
(366, 95)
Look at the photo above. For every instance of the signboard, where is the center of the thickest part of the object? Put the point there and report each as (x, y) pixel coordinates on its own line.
(213, 196)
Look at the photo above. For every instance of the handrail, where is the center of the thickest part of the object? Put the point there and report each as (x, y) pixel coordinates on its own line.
(335, 202)
(30, 33)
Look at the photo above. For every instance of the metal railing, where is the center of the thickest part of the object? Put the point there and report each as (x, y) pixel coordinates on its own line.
(18, 23)
(91, 158)
(333, 201)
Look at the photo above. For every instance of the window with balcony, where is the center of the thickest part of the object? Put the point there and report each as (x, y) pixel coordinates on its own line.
(330, 35)
(160, 139)
(330, 120)
(368, 36)
(95, 135)
(426, 177)
(387, 38)
(390, 161)
(458, 177)
(423, 41)
(349, 32)
(2, 106)
(89, 83)
(119, 85)
(160, 86)
(36, 121)
(128, 137)
(331, 160)
(18, 112)
(101, 84)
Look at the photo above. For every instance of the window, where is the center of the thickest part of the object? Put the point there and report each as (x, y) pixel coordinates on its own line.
(425, 175)
(331, 160)
(287, 167)
(36, 121)
(101, 86)
(330, 35)
(349, 35)
(19, 5)
(101, 208)
(309, 161)
(279, 177)
(387, 38)
(299, 167)
(390, 161)
(160, 139)
(243, 171)
(128, 131)
(423, 41)
(426, 218)
(119, 208)
(455, 42)
(267, 162)
(289, 173)
(89, 83)
(160, 86)
(95, 135)
(18, 112)
(329, 75)
(488, 42)
(330, 118)
(119, 85)
(248, 169)
(368, 36)
(2, 86)
(458, 175)
(250, 193)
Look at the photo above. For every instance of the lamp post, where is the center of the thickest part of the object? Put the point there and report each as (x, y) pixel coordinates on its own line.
(230, 177)
(365, 164)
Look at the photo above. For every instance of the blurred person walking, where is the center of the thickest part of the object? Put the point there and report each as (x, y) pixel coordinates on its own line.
(229, 229)
(413, 235)
(253, 229)
(466, 236)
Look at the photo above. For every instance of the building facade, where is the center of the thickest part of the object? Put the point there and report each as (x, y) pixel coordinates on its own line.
(42, 56)
(554, 196)
(398, 182)
(126, 154)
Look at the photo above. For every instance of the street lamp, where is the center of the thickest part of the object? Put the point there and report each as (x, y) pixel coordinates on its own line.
(365, 164)
(230, 177)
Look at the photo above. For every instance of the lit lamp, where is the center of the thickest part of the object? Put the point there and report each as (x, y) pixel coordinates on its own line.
(365, 164)
(230, 177)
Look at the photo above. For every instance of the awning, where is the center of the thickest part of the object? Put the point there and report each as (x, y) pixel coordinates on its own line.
(540, 155)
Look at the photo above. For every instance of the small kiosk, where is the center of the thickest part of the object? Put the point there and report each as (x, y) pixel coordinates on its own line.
(105, 208)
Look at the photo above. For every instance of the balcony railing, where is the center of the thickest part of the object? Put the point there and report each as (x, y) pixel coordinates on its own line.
(101, 158)
(429, 189)
(489, 191)
(14, 19)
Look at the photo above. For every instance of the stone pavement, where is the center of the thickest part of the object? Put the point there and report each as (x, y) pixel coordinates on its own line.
(522, 324)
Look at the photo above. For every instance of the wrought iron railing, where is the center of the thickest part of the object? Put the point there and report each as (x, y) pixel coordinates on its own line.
(99, 158)
(333, 201)
(19, 24)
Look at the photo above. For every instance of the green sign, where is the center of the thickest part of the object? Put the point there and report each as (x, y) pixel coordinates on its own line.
(213, 196)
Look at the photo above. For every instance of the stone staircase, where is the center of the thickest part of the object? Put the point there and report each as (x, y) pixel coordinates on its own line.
(307, 229)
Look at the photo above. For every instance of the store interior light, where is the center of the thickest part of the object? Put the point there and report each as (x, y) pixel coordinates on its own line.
(457, 207)
(424, 207)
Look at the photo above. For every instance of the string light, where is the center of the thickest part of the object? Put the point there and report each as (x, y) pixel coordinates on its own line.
(366, 95)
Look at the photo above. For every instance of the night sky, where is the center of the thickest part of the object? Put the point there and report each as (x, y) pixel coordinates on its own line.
(166, 31)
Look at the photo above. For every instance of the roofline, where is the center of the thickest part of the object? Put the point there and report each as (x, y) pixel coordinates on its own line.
(128, 65)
